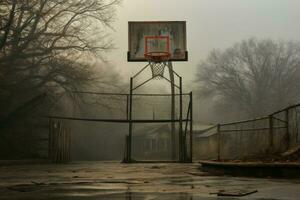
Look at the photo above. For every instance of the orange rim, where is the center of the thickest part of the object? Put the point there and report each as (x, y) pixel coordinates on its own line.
(157, 56)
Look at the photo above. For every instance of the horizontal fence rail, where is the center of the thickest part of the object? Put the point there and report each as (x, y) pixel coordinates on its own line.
(119, 120)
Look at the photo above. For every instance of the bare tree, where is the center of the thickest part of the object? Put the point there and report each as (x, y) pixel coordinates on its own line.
(255, 76)
(49, 47)
(47, 44)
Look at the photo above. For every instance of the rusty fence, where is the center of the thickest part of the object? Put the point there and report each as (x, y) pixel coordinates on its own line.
(253, 138)
(159, 131)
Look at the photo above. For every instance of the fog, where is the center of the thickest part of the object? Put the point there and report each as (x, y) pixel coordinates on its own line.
(215, 28)
(210, 24)
(79, 120)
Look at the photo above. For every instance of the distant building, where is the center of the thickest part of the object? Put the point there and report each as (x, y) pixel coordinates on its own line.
(205, 142)
(152, 142)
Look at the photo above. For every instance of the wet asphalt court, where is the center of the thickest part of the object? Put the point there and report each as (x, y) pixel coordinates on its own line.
(113, 180)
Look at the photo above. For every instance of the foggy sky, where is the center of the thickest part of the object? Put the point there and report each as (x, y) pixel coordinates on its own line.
(210, 24)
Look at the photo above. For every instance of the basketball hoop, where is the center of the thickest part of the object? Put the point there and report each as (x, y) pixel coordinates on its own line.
(157, 57)
(157, 61)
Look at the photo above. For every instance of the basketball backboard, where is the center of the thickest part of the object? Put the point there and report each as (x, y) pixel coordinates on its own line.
(167, 37)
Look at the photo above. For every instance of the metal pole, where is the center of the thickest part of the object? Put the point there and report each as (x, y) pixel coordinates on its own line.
(270, 133)
(50, 140)
(191, 127)
(127, 105)
(181, 141)
(287, 129)
(130, 122)
(173, 140)
(125, 151)
(219, 142)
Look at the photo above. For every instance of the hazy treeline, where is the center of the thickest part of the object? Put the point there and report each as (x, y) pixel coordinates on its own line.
(250, 79)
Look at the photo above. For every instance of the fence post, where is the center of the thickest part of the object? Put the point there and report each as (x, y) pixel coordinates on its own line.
(219, 141)
(173, 125)
(50, 140)
(130, 121)
(127, 106)
(181, 139)
(271, 145)
(287, 119)
(191, 127)
(126, 153)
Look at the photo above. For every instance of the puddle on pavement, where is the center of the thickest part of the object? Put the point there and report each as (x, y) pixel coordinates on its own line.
(153, 196)
(131, 182)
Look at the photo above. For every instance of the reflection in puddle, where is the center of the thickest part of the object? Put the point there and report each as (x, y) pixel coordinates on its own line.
(148, 196)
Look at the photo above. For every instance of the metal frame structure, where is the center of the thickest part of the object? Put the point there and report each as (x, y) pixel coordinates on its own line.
(157, 61)
(183, 157)
(186, 154)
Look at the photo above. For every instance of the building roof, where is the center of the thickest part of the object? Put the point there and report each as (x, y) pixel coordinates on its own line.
(152, 130)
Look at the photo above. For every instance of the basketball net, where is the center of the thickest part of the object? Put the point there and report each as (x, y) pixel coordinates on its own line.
(158, 62)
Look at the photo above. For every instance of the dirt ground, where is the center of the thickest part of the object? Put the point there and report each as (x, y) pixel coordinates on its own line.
(112, 180)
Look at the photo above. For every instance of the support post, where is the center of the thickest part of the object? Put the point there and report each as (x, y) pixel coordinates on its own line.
(127, 106)
(191, 127)
(270, 133)
(130, 122)
(125, 160)
(181, 140)
(219, 141)
(287, 129)
(173, 140)
(50, 140)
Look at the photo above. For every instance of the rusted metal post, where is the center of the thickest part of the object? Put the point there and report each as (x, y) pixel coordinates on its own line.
(181, 140)
(50, 140)
(69, 144)
(191, 127)
(271, 145)
(287, 119)
(219, 141)
(127, 106)
(130, 121)
(173, 140)
(126, 153)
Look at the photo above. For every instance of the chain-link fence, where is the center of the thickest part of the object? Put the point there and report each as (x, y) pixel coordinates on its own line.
(155, 122)
(248, 139)
(158, 130)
